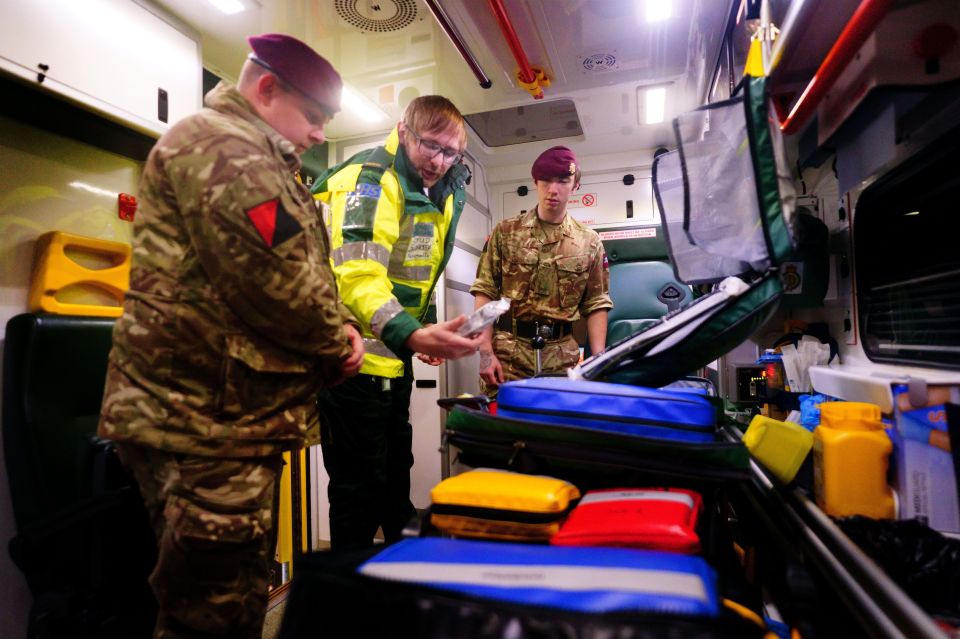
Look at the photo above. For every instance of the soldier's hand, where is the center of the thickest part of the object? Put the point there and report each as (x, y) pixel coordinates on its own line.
(491, 371)
(351, 366)
(442, 340)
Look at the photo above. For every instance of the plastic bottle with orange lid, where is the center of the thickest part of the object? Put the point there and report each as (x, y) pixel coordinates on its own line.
(851, 455)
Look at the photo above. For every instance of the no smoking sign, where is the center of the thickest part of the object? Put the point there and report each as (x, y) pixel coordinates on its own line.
(586, 200)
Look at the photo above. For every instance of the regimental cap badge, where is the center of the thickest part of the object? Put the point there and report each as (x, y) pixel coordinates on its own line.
(573, 168)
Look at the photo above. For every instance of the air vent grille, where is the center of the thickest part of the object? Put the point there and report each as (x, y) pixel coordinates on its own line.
(378, 16)
(600, 62)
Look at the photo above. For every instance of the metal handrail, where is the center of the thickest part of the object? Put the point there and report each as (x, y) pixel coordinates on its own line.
(457, 40)
(882, 608)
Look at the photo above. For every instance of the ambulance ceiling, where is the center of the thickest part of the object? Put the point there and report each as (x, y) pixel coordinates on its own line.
(601, 54)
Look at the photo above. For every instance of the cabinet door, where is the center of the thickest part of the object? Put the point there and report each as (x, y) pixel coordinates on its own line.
(114, 56)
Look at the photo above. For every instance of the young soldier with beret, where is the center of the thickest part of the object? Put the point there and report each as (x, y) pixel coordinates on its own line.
(553, 269)
(231, 323)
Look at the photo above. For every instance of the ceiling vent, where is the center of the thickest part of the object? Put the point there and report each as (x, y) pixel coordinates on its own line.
(600, 62)
(377, 16)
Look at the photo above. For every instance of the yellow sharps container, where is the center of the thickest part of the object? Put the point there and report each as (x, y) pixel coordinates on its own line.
(851, 454)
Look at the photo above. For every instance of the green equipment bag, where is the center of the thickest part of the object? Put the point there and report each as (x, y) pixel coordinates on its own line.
(726, 202)
(590, 458)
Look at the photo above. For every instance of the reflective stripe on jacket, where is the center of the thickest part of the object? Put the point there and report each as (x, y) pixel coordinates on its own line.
(389, 244)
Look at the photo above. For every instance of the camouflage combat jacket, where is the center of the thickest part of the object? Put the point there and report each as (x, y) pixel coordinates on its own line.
(550, 271)
(232, 321)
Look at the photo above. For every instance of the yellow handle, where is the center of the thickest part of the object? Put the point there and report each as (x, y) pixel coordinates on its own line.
(55, 271)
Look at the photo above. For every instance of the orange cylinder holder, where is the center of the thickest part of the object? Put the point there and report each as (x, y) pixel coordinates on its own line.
(54, 270)
(539, 83)
(530, 78)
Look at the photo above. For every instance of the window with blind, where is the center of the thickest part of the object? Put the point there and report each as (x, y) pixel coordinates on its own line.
(907, 253)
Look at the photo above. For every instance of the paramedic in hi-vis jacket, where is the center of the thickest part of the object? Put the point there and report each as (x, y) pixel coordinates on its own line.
(394, 214)
(231, 323)
(553, 269)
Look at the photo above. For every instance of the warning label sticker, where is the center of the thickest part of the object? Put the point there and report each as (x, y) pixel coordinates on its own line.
(628, 234)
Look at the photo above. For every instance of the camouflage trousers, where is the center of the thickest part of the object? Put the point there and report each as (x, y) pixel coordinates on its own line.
(215, 524)
(519, 359)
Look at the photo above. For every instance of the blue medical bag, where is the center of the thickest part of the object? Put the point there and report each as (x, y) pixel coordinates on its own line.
(675, 415)
(582, 579)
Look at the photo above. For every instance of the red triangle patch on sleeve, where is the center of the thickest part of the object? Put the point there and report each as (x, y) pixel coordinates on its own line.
(264, 218)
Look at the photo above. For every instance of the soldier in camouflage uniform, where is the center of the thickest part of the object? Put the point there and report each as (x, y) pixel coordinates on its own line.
(553, 269)
(231, 324)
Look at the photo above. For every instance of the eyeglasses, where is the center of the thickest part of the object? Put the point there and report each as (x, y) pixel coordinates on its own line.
(431, 149)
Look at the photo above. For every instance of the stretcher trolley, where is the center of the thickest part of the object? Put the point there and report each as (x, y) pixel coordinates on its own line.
(738, 554)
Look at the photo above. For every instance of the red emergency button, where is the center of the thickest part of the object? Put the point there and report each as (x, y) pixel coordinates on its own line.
(127, 206)
(934, 41)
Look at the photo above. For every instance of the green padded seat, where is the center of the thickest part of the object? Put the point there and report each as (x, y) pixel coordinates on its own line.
(84, 542)
(54, 370)
(642, 293)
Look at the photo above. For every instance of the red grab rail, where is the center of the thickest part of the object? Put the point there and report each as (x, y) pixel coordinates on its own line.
(863, 22)
(527, 75)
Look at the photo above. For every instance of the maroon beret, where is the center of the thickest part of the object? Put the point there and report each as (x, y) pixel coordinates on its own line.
(557, 161)
(300, 67)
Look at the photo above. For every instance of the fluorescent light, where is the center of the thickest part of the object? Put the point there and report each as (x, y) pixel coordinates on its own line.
(912, 213)
(361, 106)
(229, 7)
(657, 10)
(654, 100)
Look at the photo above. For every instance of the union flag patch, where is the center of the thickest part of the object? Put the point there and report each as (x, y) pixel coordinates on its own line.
(273, 223)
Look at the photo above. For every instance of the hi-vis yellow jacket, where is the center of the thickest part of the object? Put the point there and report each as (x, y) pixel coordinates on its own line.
(389, 243)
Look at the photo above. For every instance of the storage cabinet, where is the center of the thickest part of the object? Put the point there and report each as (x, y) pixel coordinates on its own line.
(119, 58)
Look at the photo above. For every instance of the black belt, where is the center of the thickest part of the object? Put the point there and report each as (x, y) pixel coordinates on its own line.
(527, 328)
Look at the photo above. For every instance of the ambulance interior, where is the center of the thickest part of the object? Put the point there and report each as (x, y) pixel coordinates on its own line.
(864, 94)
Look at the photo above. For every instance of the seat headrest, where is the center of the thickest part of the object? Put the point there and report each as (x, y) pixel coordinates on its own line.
(634, 289)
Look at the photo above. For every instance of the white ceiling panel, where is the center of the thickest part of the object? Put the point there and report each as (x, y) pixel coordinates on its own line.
(595, 52)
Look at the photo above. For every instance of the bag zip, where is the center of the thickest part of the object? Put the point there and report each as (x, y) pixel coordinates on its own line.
(610, 418)
(501, 514)
(562, 432)
(597, 457)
